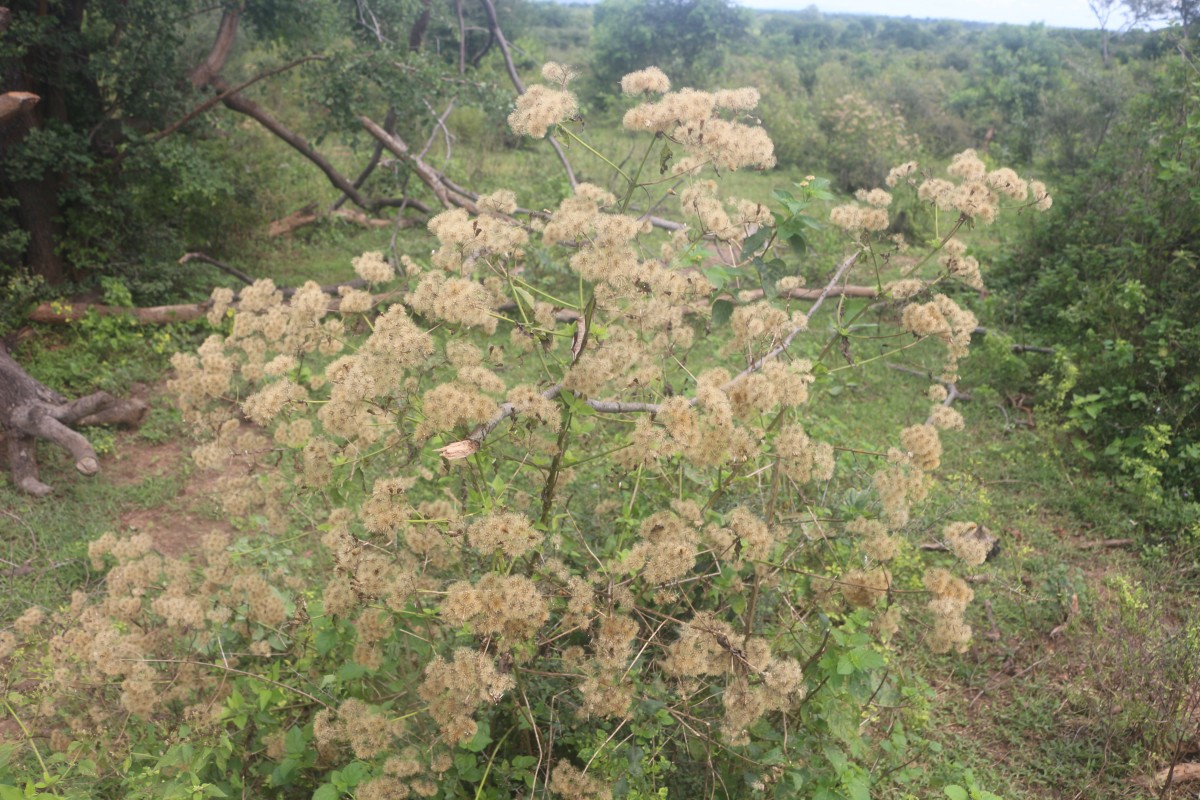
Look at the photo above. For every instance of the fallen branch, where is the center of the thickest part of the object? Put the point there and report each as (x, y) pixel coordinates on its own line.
(1178, 773)
(1104, 543)
(212, 101)
(29, 411)
(59, 313)
(431, 178)
(13, 103)
(389, 125)
(228, 270)
(309, 214)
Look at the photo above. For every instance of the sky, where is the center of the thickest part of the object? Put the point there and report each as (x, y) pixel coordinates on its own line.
(1055, 13)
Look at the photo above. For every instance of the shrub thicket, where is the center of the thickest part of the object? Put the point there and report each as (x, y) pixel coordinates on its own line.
(1113, 282)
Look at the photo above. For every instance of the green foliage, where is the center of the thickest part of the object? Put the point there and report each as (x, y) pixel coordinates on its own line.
(688, 39)
(1111, 278)
(103, 352)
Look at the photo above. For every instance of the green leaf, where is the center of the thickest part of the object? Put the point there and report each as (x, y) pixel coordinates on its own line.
(326, 791)
(717, 276)
(526, 298)
(754, 241)
(479, 742)
(293, 740)
(722, 310)
(327, 640)
(956, 792)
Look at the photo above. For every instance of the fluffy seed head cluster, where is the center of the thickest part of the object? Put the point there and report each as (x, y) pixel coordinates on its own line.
(507, 606)
(874, 539)
(946, 418)
(571, 783)
(899, 485)
(459, 301)
(948, 322)
(901, 173)
(923, 445)
(949, 601)
(804, 459)
(509, 533)
(542, 107)
(854, 218)
(691, 117)
(863, 588)
(667, 549)
(454, 689)
(955, 261)
(373, 268)
(968, 541)
(650, 80)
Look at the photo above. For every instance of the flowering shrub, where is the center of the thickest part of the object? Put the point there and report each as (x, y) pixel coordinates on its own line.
(566, 534)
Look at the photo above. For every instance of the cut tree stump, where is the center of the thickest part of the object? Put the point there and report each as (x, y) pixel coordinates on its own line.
(30, 411)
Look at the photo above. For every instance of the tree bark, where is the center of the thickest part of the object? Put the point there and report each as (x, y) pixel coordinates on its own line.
(30, 411)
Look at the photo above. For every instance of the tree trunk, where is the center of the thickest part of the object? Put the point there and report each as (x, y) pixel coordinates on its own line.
(30, 411)
(38, 211)
(40, 99)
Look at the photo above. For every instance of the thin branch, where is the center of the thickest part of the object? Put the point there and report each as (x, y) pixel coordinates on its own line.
(212, 101)
(820, 299)
(389, 125)
(440, 124)
(228, 270)
(494, 23)
(445, 195)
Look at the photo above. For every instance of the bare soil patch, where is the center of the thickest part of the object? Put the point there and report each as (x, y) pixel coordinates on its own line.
(179, 525)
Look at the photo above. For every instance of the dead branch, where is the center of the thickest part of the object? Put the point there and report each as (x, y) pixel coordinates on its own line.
(494, 25)
(221, 265)
(29, 411)
(13, 103)
(462, 38)
(445, 195)
(308, 215)
(218, 54)
(812, 294)
(251, 109)
(389, 125)
(1106, 543)
(1178, 773)
(212, 101)
(61, 314)
(207, 73)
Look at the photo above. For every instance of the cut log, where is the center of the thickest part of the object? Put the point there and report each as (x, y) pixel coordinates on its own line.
(29, 411)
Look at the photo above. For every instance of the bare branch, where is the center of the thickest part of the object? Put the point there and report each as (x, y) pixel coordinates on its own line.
(494, 23)
(447, 197)
(212, 101)
(389, 125)
(214, 62)
(228, 270)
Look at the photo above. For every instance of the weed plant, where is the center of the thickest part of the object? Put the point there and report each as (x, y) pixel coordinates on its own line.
(538, 530)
